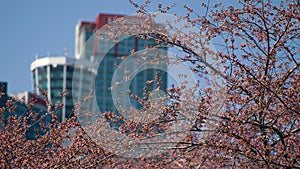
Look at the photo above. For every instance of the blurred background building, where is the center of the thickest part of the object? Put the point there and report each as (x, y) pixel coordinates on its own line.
(91, 48)
(22, 105)
(54, 76)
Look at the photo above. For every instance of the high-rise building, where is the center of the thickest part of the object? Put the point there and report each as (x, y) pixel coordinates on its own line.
(54, 75)
(90, 48)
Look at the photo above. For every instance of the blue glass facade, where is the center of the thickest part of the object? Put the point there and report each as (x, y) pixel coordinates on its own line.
(91, 47)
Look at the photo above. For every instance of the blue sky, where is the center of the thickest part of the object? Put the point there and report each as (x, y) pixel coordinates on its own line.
(46, 27)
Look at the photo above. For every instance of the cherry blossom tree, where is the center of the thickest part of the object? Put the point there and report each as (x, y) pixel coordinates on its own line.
(257, 126)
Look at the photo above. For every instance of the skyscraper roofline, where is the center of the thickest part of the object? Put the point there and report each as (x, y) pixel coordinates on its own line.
(59, 60)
